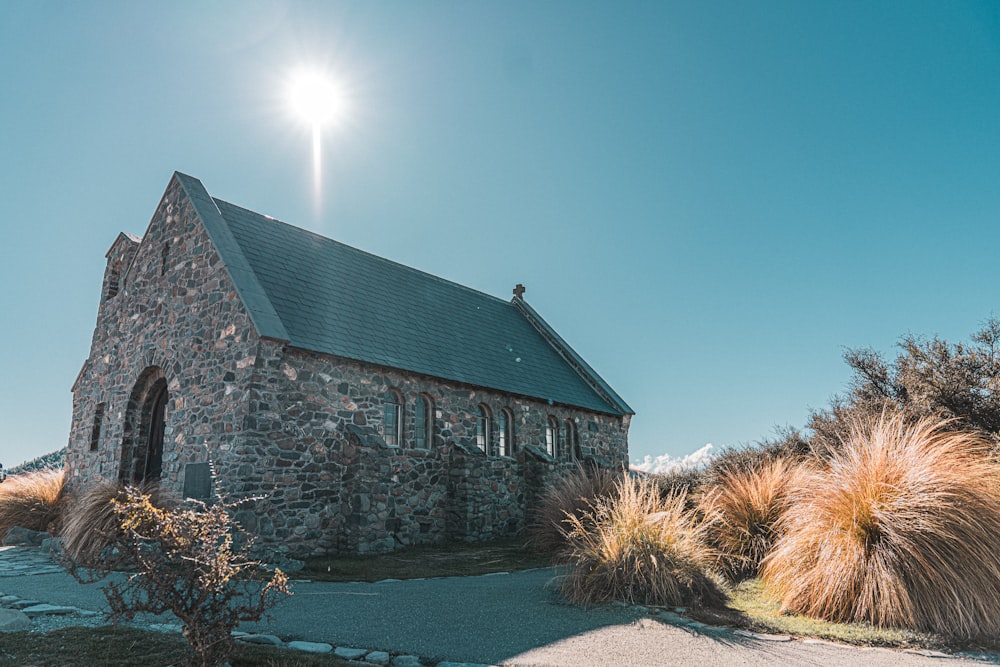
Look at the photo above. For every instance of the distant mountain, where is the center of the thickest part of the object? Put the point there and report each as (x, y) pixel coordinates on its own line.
(56, 459)
(668, 464)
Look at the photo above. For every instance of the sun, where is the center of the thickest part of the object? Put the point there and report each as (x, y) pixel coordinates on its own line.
(315, 98)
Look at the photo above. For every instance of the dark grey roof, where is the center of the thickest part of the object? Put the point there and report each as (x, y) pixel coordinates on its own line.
(321, 295)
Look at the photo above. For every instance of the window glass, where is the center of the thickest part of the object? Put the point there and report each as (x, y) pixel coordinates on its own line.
(505, 433)
(392, 419)
(551, 433)
(423, 422)
(483, 429)
(572, 441)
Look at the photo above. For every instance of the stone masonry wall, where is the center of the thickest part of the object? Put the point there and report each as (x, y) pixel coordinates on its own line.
(175, 309)
(313, 446)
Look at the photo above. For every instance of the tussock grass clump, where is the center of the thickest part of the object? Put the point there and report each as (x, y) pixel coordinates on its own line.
(637, 546)
(901, 529)
(570, 495)
(33, 500)
(91, 523)
(742, 510)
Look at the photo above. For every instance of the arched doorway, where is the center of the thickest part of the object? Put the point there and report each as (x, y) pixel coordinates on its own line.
(145, 420)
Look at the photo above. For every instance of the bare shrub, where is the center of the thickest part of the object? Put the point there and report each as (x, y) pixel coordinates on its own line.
(742, 510)
(184, 562)
(929, 378)
(33, 500)
(570, 495)
(637, 546)
(900, 529)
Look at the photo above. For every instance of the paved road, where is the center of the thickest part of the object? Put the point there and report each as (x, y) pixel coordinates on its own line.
(510, 619)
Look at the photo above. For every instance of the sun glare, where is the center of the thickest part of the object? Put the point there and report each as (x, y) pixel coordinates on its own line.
(314, 98)
(317, 101)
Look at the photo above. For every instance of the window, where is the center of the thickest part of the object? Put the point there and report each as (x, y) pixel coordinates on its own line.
(95, 432)
(572, 441)
(551, 436)
(483, 429)
(423, 422)
(392, 419)
(114, 280)
(164, 258)
(505, 433)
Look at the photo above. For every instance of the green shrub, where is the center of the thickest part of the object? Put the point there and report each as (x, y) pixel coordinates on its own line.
(742, 510)
(636, 546)
(570, 495)
(33, 500)
(901, 529)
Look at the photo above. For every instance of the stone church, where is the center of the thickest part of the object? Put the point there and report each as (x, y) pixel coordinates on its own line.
(369, 404)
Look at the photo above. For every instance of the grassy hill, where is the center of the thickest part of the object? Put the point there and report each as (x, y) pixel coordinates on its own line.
(56, 459)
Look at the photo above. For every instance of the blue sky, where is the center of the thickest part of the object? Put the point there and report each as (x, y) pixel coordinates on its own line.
(710, 201)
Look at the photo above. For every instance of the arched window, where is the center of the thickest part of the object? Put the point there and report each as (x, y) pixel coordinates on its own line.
(551, 437)
(572, 441)
(392, 418)
(483, 429)
(423, 422)
(505, 433)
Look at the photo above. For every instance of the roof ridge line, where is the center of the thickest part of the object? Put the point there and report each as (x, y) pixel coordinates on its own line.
(575, 361)
(258, 304)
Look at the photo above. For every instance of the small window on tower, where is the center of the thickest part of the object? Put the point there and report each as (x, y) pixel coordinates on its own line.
(95, 432)
(114, 280)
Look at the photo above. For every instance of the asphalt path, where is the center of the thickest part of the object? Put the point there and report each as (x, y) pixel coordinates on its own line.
(505, 619)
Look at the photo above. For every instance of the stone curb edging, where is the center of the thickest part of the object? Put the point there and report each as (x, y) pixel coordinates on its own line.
(361, 656)
(33, 608)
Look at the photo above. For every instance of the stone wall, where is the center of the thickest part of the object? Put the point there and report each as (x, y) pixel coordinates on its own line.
(313, 445)
(175, 309)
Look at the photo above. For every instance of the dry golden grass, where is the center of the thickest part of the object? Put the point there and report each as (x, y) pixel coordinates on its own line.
(901, 530)
(33, 500)
(91, 523)
(570, 495)
(637, 546)
(742, 510)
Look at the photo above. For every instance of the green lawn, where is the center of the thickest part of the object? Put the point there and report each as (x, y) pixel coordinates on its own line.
(751, 608)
